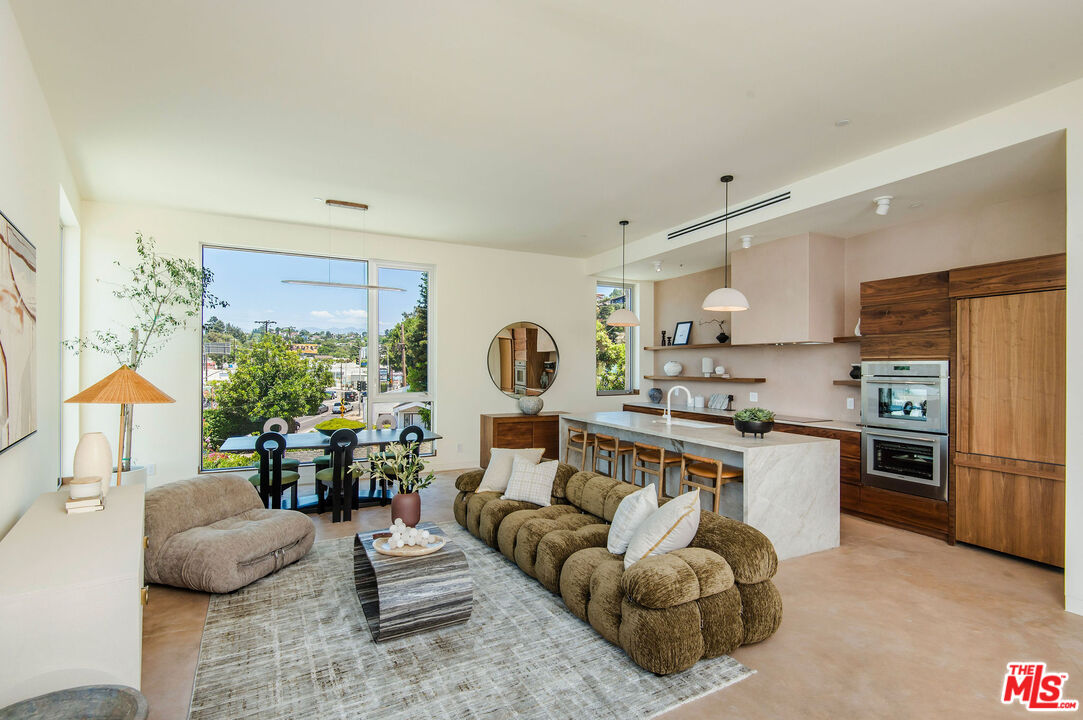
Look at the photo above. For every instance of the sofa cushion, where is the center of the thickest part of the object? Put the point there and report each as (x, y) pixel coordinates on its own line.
(556, 547)
(509, 526)
(474, 505)
(493, 514)
(677, 577)
(748, 551)
(233, 552)
(469, 481)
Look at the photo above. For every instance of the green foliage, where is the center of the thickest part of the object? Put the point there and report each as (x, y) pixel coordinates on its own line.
(216, 460)
(402, 464)
(164, 293)
(610, 350)
(411, 333)
(339, 423)
(754, 415)
(270, 381)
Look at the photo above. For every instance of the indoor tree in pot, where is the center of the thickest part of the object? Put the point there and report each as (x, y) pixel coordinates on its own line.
(164, 293)
(401, 464)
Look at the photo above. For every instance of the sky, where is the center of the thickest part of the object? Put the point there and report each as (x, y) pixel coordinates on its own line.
(251, 282)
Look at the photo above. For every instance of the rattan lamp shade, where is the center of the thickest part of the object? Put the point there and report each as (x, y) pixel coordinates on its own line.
(122, 387)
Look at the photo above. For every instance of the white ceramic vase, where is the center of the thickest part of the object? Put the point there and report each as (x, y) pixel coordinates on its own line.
(93, 458)
(672, 368)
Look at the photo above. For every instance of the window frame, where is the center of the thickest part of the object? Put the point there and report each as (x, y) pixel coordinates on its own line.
(631, 335)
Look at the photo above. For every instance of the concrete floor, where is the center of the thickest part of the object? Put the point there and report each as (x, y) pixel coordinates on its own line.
(889, 625)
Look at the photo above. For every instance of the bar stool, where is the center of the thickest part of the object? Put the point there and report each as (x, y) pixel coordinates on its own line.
(615, 453)
(653, 456)
(578, 440)
(702, 468)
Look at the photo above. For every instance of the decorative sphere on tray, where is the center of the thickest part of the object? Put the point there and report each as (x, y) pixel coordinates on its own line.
(402, 535)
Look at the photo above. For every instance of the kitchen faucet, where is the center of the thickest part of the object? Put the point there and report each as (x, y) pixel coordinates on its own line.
(669, 398)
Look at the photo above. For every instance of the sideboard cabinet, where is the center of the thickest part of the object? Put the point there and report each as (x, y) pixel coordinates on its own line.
(516, 430)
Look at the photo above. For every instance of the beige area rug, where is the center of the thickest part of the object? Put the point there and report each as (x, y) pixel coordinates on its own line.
(295, 645)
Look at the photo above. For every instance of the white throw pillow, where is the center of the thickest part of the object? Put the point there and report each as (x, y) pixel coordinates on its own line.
(671, 527)
(499, 470)
(531, 482)
(631, 513)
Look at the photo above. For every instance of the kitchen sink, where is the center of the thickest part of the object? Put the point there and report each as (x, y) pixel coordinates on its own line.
(688, 423)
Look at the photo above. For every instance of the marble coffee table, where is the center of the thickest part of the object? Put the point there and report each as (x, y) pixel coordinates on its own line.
(407, 595)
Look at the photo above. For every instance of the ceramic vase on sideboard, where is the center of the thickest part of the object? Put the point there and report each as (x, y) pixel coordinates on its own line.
(94, 458)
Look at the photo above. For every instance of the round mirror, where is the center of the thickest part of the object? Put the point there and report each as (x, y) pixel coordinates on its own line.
(523, 360)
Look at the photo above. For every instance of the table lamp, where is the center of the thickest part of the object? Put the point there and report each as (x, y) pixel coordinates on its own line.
(124, 386)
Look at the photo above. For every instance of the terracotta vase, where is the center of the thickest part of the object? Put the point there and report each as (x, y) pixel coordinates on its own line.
(406, 506)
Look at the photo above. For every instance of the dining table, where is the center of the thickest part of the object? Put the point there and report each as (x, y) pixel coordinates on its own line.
(271, 491)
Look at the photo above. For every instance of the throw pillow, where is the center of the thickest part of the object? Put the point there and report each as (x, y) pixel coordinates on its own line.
(499, 470)
(531, 482)
(670, 527)
(631, 513)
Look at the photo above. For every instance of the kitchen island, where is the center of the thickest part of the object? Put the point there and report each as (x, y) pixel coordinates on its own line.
(790, 485)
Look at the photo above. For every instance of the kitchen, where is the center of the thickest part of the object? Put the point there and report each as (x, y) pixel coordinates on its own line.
(960, 345)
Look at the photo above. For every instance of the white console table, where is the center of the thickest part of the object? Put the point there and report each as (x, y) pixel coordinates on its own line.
(71, 596)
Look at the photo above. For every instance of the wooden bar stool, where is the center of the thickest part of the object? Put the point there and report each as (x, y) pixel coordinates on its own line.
(695, 470)
(652, 456)
(578, 441)
(615, 454)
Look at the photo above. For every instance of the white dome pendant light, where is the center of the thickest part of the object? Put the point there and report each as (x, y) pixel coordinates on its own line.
(623, 317)
(725, 298)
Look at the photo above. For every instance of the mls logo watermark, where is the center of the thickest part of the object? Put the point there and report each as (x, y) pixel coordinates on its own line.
(1036, 689)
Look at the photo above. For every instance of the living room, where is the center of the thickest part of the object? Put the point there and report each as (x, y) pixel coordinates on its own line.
(493, 152)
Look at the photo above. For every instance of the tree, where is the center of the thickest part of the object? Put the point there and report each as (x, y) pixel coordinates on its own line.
(270, 381)
(610, 349)
(409, 340)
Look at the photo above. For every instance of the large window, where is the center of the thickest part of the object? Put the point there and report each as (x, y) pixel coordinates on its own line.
(309, 353)
(613, 345)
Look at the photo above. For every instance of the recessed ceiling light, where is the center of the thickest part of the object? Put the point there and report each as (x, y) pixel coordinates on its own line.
(915, 204)
(658, 266)
(842, 123)
(746, 241)
(883, 204)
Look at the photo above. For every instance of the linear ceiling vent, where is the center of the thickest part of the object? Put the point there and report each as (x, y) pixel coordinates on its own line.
(730, 215)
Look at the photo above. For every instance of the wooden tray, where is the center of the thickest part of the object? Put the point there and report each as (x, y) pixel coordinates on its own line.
(379, 544)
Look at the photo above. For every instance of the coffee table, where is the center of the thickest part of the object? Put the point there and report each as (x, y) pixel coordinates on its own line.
(407, 595)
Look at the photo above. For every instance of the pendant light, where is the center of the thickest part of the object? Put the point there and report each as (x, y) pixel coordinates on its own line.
(623, 317)
(725, 298)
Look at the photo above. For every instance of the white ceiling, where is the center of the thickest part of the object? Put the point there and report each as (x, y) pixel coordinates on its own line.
(1029, 168)
(527, 125)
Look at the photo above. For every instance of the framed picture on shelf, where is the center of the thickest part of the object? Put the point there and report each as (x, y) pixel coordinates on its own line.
(683, 332)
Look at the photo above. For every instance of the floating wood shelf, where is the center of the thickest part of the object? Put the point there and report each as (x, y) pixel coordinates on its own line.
(701, 346)
(848, 383)
(848, 339)
(712, 378)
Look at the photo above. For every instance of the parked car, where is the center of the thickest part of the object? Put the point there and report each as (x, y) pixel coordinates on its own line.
(321, 409)
(342, 408)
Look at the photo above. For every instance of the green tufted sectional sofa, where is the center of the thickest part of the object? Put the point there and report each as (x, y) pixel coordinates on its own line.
(666, 611)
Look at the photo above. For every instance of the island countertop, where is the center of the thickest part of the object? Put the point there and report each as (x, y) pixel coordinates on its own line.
(844, 425)
(723, 437)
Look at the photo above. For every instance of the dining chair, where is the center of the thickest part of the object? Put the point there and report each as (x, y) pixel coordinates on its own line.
(272, 480)
(279, 425)
(341, 483)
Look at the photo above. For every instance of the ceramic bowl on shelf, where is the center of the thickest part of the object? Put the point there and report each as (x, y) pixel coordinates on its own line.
(672, 368)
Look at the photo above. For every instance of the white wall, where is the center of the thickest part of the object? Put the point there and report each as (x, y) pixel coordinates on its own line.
(32, 171)
(477, 291)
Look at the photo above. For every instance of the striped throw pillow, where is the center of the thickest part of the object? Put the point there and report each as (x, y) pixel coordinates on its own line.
(671, 527)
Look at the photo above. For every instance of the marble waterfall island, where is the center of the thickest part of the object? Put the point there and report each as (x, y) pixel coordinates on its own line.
(790, 485)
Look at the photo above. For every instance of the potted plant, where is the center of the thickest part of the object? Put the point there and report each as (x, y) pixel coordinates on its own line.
(401, 464)
(163, 293)
(757, 421)
(328, 427)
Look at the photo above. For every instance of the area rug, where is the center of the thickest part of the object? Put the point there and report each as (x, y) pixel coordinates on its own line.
(295, 645)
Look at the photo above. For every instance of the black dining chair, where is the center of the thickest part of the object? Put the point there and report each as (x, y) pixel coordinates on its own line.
(341, 484)
(272, 480)
(412, 434)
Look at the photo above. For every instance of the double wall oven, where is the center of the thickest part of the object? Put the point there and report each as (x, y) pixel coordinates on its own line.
(904, 410)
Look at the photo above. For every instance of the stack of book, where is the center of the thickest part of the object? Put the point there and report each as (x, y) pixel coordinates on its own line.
(83, 505)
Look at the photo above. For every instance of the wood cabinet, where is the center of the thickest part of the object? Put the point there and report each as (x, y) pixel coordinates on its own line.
(794, 289)
(906, 318)
(516, 430)
(1009, 394)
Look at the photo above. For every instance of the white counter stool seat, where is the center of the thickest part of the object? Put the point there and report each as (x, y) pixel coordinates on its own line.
(696, 471)
(608, 449)
(643, 456)
(579, 441)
